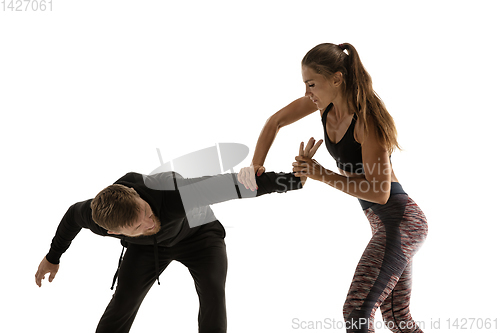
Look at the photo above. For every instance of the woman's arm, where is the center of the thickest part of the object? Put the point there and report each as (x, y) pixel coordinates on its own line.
(294, 111)
(373, 186)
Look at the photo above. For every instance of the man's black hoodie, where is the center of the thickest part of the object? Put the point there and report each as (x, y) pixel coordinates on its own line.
(181, 205)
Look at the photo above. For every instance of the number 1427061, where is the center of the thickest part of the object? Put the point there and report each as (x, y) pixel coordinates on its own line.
(26, 5)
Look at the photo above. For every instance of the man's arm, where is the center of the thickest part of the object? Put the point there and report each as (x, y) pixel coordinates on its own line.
(78, 216)
(204, 191)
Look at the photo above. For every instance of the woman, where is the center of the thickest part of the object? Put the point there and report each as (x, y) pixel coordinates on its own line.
(360, 135)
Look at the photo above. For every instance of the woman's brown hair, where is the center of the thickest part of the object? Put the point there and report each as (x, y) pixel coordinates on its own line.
(327, 59)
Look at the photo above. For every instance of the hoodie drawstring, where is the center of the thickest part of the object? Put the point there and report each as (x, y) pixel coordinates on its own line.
(118, 269)
(157, 263)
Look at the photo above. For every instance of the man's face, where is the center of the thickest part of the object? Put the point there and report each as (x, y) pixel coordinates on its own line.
(147, 223)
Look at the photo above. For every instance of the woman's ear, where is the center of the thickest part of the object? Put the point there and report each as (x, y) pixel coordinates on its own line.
(337, 79)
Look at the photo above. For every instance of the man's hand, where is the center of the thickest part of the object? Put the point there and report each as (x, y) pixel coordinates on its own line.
(303, 166)
(246, 176)
(44, 268)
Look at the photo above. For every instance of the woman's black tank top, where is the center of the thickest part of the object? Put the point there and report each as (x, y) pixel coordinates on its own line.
(346, 152)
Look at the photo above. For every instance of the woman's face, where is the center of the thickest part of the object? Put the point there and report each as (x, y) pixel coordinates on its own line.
(319, 89)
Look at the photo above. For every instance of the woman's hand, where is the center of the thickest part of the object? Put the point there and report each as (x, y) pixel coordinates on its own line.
(246, 176)
(305, 166)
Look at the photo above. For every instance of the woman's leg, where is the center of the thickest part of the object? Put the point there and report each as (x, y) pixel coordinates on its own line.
(398, 229)
(376, 275)
(396, 307)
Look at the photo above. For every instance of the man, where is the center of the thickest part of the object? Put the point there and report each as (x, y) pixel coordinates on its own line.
(160, 218)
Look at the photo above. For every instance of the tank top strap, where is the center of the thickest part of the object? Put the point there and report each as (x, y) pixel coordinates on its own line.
(350, 130)
(325, 113)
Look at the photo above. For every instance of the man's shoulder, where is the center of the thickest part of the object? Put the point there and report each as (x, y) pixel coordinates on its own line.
(130, 177)
(164, 181)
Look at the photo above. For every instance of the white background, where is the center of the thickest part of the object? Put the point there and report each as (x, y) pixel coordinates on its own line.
(89, 90)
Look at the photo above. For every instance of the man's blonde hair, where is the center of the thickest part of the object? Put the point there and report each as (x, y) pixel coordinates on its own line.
(115, 207)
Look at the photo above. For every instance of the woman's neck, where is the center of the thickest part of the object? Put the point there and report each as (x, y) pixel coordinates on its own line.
(341, 109)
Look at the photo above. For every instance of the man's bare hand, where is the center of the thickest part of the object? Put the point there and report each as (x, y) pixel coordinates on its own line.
(44, 268)
(246, 176)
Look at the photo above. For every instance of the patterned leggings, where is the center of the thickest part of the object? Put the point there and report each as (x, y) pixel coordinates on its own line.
(383, 275)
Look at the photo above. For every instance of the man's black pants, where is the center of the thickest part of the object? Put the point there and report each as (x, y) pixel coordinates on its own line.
(203, 253)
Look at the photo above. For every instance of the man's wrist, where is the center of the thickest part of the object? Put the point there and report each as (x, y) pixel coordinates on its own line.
(53, 257)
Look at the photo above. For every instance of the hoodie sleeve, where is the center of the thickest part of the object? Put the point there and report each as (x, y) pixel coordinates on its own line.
(210, 190)
(77, 216)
